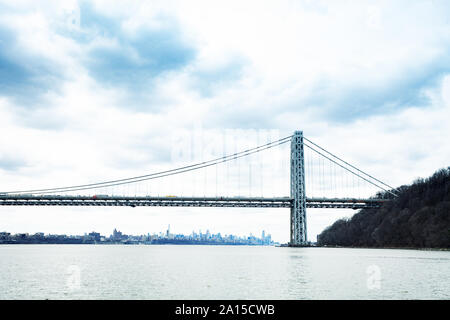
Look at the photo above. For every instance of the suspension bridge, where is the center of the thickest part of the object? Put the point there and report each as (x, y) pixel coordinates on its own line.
(326, 170)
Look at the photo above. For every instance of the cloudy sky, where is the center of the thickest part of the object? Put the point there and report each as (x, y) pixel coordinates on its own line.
(98, 90)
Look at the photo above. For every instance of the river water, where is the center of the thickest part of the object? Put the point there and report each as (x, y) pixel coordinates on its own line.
(220, 272)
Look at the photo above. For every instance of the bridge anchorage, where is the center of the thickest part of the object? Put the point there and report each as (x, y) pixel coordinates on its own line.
(297, 201)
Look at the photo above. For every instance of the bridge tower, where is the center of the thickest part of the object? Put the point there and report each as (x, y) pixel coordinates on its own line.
(298, 209)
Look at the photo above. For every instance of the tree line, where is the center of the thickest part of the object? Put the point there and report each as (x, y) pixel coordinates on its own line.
(418, 218)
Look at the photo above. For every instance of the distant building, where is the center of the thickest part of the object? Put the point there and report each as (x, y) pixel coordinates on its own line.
(94, 236)
(117, 235)
(5, 236)
(39, 235)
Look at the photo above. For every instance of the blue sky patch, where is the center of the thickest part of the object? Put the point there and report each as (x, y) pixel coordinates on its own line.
(24, 76)
(132, 61)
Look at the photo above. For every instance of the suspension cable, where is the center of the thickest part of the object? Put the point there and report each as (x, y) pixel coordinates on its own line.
(349, 170)
(156, 174)
(168, 172)
(349, 164)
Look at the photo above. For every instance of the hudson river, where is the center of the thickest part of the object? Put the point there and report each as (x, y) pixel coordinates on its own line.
(220, 272)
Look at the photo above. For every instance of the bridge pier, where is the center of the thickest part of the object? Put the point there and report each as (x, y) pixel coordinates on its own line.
(298, 209)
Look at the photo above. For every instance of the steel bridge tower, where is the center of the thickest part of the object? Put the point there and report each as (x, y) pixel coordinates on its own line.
(298, 209)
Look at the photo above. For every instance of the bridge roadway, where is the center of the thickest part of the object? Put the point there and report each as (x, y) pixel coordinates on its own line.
(173, 201)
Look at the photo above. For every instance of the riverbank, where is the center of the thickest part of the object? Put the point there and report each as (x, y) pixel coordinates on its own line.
(399, 248)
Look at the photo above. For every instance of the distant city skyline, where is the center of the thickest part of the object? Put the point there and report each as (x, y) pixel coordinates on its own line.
(163, 237)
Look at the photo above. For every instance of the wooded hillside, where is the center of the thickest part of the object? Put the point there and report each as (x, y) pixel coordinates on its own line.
(418, 218)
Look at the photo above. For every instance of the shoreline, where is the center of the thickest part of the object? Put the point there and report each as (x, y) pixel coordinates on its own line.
(399, 248)
(225, 244)
(142, 244)
(354, 247)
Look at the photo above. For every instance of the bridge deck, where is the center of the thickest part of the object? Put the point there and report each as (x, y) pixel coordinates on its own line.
(172, 201)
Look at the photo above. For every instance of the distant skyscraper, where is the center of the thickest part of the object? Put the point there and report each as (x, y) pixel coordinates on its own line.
(94, 235)
(117, 235)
